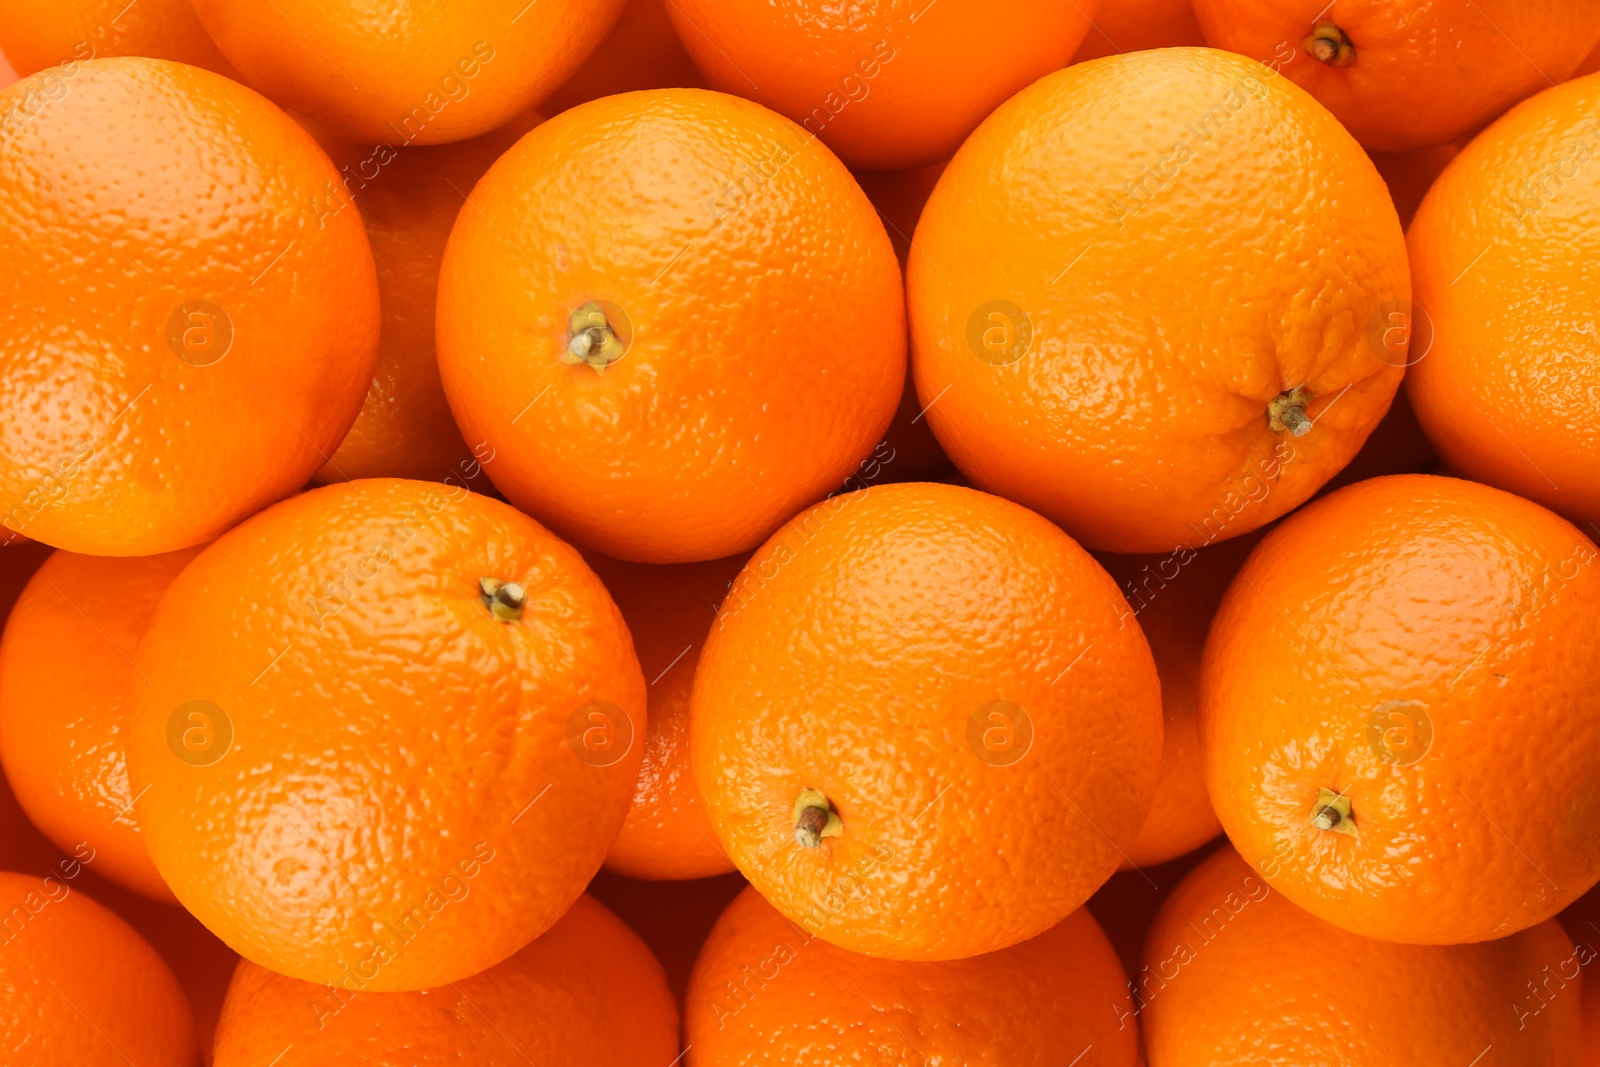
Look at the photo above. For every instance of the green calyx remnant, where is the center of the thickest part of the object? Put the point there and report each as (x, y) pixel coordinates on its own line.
(592, 339)
(503, 599)
(1331, 812)
(1287, 411)
(814, 819)
(1331, 45)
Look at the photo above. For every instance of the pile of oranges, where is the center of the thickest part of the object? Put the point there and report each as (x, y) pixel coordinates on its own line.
(639, 532)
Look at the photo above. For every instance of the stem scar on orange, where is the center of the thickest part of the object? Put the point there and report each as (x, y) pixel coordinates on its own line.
(368, 753)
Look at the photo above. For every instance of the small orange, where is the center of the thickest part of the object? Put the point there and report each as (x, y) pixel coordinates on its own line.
(409, 198)
(66, 679)
(1235, 974)
(586, 992)
(765, 992)
(365, 755)
(885, 83)
(668, 609)
(675, 346)
(408, 72)
(920, 726)
(58, 34)
(1400, 74)
(1144, 295)
(185, 342)
(1499, 253)
(1136, 25)
(641, 52)
(79, 986)
(1381, 673)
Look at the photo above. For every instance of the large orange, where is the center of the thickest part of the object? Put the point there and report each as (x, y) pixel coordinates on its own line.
(884, 83)
(361, 759)
(409, 199)
(1399, 74)
(677, 345)
(1235, 974)
(586, 992)
(921, 728)
(642, 51)
(765, 992)
(66, 678)
(78, 986)
(60, 34)
(668, 609)
(1135, 25)
(185, 342)
(1500, 251)
(1145, 297)
(1382, 677)
(407, 71)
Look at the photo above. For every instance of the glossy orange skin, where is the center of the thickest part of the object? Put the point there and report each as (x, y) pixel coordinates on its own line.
(1236, 974)
(768, 324)
(400, 805)
(35, 36)
(642, 51)
(1527, 423)
(110, 444)
(1470, 614)
(403, 72)
(857, 654)
(1163, 321)
(764, 992)
(66, 676)
(1135, 25)
(1423, 74)
(79, 986)
(586, 992)
(409, 200)
(669, 610)
(884, 83)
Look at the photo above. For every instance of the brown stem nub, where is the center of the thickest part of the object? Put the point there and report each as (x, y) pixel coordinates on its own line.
(1331, 45)
(592, 338)
(1286, 412)
(814, 819)
(1331, 813)
(503, 599)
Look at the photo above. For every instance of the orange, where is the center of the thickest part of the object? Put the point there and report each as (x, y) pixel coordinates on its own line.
(409, 199)
(1399, 74)
(674, 347)
(1173, 597)
(78, 986)
(1410, 174)
(764, 992)
(669, 610)
(373, 750)
(36, 36)
(1499, 251)
(1234, 973)
(408, 72)
(187, 342)
(921, 728)
(642, 51)
(1377, 676)
(586, 992)
(1175, 345)
(1590, 64)
(672, 917)
(66, 678)
(1397, 445)
(885, 83)
(1135, 25)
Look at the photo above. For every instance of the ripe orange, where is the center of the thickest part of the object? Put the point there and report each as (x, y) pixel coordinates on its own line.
(409, 199)
(669, 610)
(919, 725)
(1499, 253)
(641, 52)
(186, 343)
(1400, 74)
(409, 72)
(35, 36)
(362, 759)
(586, 992)
(765, 992)
(677, 345)
(1376, 679)
(78, 986)
(1236, 974)
(888, 83)
(66, 679)
(1141, 362)
(1135, 25)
